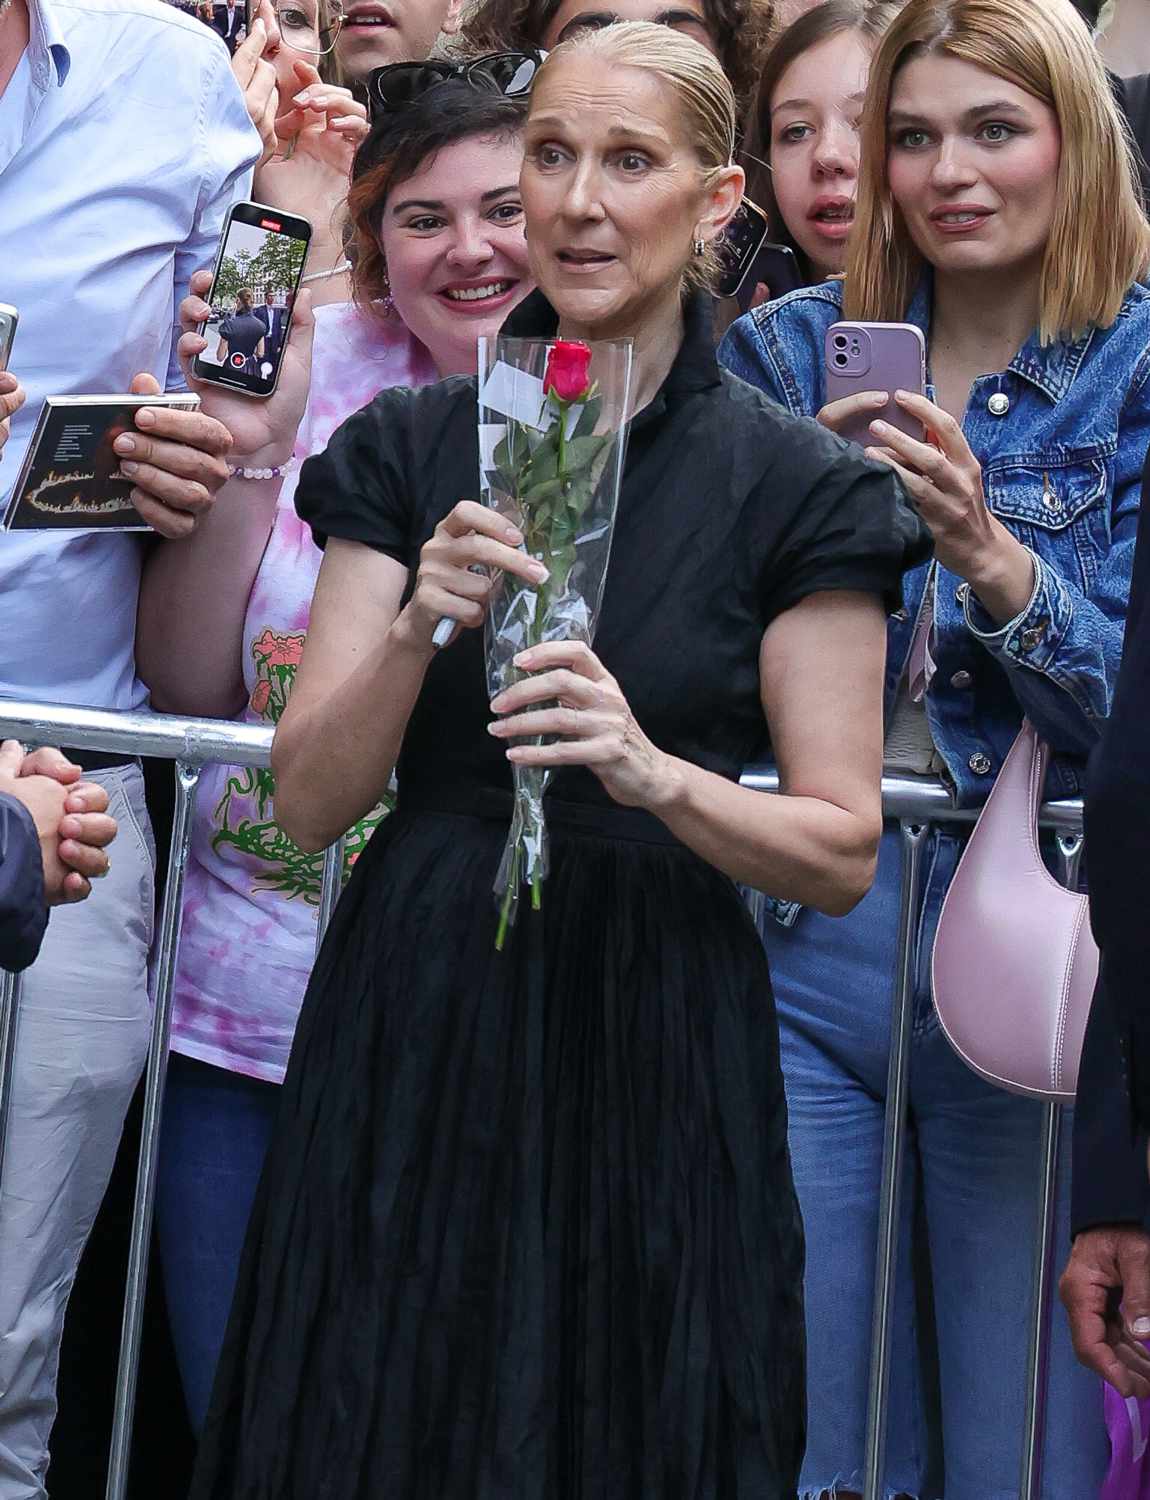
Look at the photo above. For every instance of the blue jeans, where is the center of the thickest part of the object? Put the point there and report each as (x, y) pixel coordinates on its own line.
(972, 1172)
(217, 1126)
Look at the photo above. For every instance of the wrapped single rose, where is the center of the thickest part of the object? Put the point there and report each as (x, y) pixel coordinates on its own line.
(567, 375)
(552, 424)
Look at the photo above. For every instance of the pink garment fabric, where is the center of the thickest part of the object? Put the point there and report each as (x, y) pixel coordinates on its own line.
(251, 895)
(1128, 1423)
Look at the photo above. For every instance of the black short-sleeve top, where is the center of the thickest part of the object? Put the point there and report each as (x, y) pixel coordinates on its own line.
(731, 512)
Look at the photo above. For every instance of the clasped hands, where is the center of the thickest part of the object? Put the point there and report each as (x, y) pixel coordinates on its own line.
(70, 814)
(567, 692)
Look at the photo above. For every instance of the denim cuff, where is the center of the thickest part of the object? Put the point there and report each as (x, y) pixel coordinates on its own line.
(1033, 636)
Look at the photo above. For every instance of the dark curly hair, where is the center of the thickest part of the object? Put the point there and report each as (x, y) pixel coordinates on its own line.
(742, 32)
(398, 146)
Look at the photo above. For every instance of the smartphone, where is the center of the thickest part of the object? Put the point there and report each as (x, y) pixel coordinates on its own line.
(9, 317)
(777, 268)
(258, 270)
(875, 357)
(737, 247)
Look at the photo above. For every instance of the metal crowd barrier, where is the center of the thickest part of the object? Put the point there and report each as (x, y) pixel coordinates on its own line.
(193, 743)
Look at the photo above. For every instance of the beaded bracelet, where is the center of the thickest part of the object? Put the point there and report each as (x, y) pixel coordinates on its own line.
(278, 472)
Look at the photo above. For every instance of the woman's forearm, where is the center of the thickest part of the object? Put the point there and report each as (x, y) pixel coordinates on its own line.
(797, 848)
(193, 599)
(333, 758)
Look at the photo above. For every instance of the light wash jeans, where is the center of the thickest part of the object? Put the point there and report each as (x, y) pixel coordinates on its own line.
(972, 1170)
(81, 1044)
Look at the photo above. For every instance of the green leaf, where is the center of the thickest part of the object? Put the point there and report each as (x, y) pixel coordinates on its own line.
(588, 418)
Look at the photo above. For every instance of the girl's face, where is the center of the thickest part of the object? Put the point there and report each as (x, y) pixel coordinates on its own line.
(452, 235)
(814, 146)
(573, 16)
(972, 162)
(295, 39)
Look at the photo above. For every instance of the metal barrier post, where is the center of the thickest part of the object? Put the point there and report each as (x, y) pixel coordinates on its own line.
(894, 1141)
(9, 1012)
(187, 780)
(1070, 843)
(330, 889)
(1034, 1430)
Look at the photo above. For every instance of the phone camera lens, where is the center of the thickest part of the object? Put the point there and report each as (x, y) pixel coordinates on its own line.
(840, 340)
(840, 360)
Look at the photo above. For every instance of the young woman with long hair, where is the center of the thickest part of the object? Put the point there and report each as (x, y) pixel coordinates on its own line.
(998, 211)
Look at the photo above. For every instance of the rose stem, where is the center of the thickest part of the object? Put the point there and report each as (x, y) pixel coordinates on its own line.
(508, 898)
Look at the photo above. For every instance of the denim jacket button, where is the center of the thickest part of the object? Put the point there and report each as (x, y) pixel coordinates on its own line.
(980, 763)
(999, 404)
(961, 680)
(961, 592)
(1032, 638)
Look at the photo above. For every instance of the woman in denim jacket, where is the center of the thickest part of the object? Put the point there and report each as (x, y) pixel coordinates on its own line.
(997, 211)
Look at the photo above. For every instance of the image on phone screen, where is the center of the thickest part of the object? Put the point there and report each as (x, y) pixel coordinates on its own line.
(257, 277)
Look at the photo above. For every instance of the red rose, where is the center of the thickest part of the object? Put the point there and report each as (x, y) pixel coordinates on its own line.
(567, 370)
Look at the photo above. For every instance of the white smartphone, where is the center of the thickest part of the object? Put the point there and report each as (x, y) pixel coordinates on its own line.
(9, 317)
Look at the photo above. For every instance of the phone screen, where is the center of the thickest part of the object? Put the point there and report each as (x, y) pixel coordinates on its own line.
(737, 247)
(254, 289)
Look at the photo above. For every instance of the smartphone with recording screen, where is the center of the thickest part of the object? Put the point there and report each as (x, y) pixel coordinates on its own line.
(875, 357)
(258, 271)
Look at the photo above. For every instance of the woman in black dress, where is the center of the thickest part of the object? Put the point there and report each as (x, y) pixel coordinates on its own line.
(527, 1230)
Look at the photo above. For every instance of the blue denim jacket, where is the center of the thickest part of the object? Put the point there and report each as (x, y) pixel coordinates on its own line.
(1062, 468)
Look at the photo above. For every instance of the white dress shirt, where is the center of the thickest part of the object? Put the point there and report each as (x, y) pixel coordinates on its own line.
(124, 140)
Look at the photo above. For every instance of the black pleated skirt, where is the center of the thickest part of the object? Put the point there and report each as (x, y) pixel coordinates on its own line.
(527, 1229)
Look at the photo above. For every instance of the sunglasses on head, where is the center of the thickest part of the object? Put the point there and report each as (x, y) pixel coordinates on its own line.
(397, 85)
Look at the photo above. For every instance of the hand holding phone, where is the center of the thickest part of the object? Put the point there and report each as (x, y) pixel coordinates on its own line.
(254, 287)
(865, 364)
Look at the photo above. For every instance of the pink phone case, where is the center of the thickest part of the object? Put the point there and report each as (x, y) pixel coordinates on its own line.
(875, 357)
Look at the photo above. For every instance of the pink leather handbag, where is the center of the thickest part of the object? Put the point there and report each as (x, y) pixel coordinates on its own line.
(1014, 961)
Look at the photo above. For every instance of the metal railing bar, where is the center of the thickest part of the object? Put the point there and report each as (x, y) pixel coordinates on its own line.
(127, 1374)
(193, 741)
(913, 838)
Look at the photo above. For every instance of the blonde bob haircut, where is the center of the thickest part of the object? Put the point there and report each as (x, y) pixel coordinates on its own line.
(705, 98)
(1099, 240)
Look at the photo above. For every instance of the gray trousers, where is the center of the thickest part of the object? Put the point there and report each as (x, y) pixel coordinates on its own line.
(81, 1043)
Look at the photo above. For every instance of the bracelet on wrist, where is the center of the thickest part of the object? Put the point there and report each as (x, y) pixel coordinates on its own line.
(271, 471)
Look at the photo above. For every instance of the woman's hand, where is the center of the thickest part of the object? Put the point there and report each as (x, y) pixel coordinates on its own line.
(581, 702)
(256, 76)
(836, 415)
(263, 431)
(471, 537)
(945, 484)
(317, 139)
(11, 400)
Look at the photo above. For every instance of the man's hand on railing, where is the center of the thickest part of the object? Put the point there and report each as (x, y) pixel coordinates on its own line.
(1106, 1292)
(70, 814)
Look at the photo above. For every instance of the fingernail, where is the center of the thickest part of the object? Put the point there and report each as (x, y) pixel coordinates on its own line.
(514, 536)
(495, 728)
(1141, 1328)
(496, 704)
(301, 98)
(524, 659)
(901, 395)
(125, 444)
(880, 429)
(539, 572)
(128, 467)
(145, 417)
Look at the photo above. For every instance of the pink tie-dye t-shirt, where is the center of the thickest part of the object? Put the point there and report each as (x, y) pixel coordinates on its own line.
(251, 896)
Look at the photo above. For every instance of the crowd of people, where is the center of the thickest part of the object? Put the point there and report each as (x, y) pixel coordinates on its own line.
(595, 1214)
